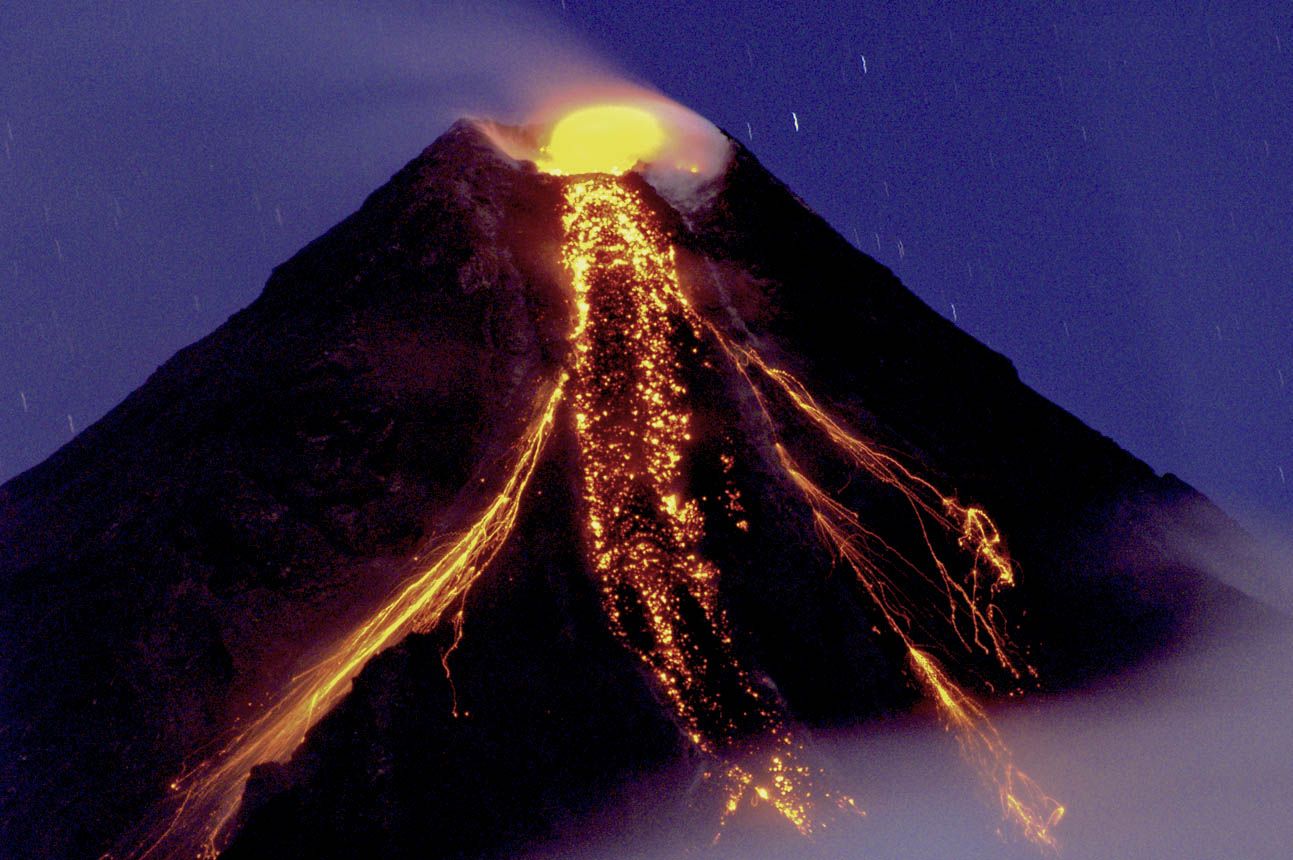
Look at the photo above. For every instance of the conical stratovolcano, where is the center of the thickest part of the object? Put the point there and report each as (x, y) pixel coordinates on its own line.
(581, 479)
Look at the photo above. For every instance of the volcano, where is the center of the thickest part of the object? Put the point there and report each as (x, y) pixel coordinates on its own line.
(535, 479)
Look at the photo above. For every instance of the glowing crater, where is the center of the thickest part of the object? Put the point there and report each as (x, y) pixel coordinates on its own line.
(607, 138)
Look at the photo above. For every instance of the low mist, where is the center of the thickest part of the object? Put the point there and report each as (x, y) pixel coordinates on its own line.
(1185, 757)
(1184, 760)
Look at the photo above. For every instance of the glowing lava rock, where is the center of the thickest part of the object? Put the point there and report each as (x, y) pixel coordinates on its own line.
(602, 139)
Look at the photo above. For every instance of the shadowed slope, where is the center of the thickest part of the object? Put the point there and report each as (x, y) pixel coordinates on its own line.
(163, 573)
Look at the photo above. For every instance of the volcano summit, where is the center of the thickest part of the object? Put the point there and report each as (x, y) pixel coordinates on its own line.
(582, 454)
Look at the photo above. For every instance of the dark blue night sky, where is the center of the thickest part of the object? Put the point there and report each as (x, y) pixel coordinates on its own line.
(1105, 196)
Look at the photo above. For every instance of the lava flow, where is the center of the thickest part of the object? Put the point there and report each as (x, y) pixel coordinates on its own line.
(632, 425)
(210, 793)
(1034, 813)
(634, 332)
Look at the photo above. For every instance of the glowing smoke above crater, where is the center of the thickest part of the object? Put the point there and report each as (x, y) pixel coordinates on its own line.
(601, 139)
(618, 130)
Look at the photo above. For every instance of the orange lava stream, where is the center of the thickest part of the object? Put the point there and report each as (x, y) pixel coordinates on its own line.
(978, 622)
(633, 428)
(1023, 803)
(211, 792)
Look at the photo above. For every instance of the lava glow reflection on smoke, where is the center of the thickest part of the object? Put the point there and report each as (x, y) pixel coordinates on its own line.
(614, 127)
(602, 139)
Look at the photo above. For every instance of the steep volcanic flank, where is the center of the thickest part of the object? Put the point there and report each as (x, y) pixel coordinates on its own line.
(655, 503)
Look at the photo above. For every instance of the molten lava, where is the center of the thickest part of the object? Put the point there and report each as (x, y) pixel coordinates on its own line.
(634, 331)
(660, 594)
(632, 426)
(968, 601)
(210, 793)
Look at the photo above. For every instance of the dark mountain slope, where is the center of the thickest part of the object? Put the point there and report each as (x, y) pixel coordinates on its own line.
(1082, 516)
(265, 486)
